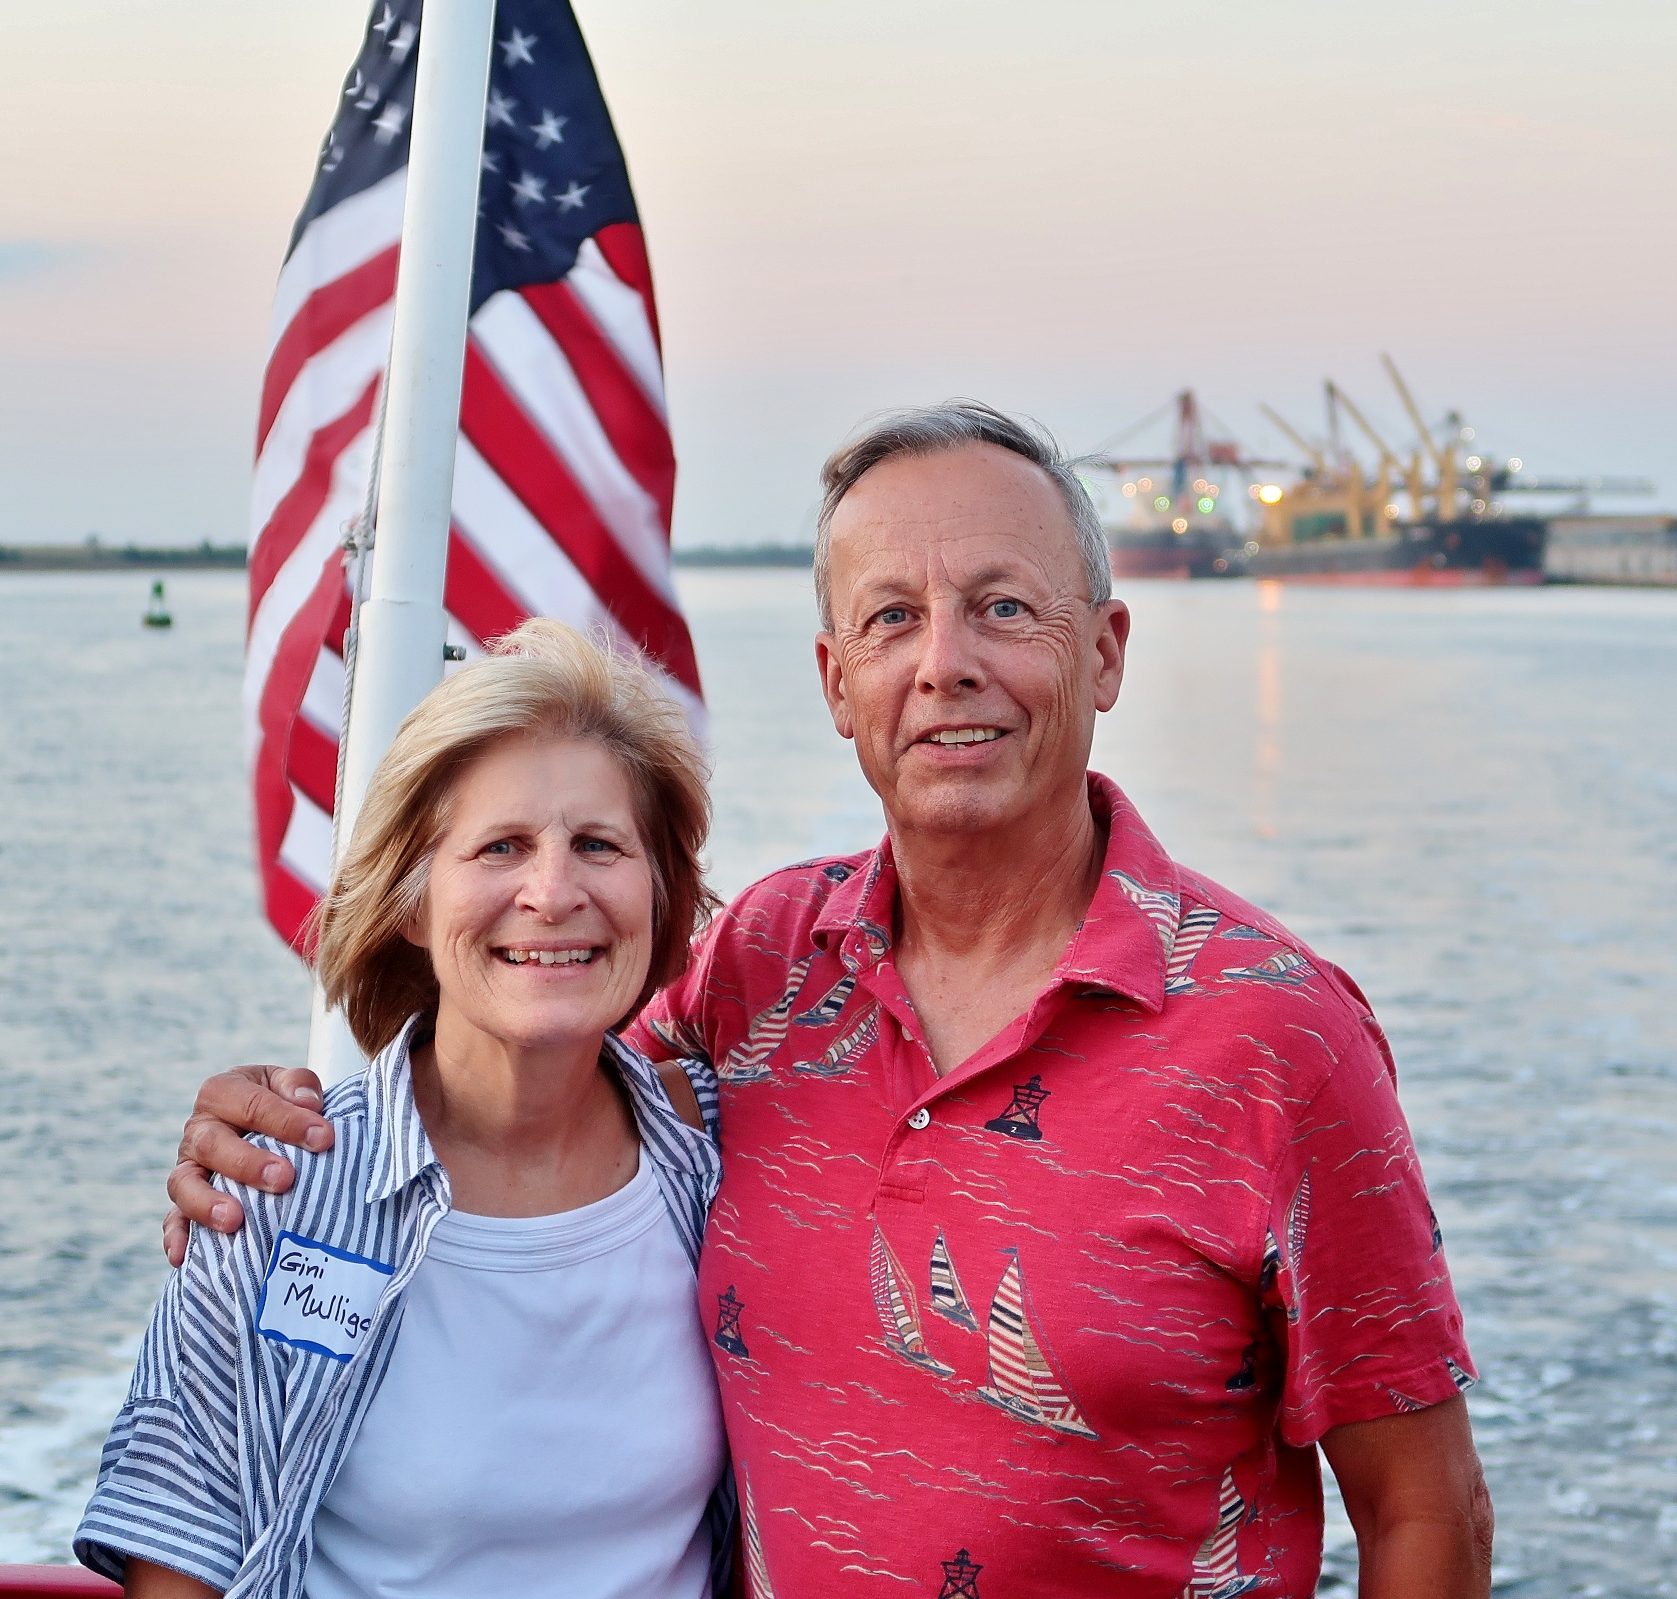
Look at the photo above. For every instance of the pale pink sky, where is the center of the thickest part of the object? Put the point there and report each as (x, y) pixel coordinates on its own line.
(1072, 208)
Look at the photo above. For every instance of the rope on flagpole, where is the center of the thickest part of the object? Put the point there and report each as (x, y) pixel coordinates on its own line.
(359, 537)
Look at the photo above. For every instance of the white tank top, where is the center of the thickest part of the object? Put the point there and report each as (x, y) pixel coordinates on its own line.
(548, 1424)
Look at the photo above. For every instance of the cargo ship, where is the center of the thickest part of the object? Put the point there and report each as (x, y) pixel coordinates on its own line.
(1441, 514)
(1445, 512)
(1166, 516)
(1462, 552)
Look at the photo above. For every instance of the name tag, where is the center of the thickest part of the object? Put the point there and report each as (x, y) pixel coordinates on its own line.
(318, 1297)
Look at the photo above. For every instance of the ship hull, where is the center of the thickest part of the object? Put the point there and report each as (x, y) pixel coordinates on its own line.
(1163, 554)
(1414, 555)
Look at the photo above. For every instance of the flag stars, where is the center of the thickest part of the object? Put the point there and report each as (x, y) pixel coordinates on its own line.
(362, 90)
(517, 48)
(500, 109)
(491, 162)
(388, 123)
(529, 188)
(572, 198)
(404, 41)
(550, 130)
(514, 239)
(386, 22)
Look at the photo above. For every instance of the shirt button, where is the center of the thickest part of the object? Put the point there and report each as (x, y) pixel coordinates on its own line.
(920, 1120)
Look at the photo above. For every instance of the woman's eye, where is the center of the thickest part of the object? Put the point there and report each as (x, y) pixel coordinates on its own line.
(596, 846)
(501, 846)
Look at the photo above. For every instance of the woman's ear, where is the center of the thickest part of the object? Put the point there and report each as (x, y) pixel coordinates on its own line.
(416, 925)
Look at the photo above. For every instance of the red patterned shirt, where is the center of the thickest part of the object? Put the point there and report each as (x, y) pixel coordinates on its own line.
(1070, 1319)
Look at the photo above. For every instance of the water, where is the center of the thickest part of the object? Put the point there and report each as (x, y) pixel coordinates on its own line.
(1469, 799)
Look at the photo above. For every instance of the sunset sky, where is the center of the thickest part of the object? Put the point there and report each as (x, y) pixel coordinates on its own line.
(1072, 208)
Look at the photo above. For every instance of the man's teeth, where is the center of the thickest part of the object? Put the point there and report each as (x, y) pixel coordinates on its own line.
(548, 957)
(964, 735)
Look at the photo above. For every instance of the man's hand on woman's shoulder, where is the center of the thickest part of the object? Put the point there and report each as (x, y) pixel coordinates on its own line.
(280, 1101)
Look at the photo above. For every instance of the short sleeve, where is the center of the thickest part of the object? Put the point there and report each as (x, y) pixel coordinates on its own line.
(167, 1489)
(1354, 1278)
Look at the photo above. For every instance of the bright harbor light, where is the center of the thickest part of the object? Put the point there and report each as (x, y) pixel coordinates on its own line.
(1270, 493)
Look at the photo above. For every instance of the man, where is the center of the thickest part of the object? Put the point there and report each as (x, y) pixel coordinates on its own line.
(1068, 1205)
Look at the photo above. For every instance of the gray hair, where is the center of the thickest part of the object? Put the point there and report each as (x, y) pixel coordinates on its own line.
(928, 429)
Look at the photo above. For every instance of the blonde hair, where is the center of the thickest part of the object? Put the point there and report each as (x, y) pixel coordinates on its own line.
(543, 679)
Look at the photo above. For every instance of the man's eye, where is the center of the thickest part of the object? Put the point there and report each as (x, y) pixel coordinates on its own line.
(892, 615)
(1006, 608)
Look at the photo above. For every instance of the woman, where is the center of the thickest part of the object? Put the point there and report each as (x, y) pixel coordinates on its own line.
(462, 1356)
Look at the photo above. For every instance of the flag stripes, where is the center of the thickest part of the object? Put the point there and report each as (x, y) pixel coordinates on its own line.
(564, 472)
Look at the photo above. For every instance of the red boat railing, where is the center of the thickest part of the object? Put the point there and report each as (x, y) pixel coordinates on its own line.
(54, 1582)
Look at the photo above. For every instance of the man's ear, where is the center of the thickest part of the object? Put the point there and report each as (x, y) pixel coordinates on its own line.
(832, 684)
(1111, 638)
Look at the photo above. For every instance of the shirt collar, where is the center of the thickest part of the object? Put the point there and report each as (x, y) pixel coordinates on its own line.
(1123, 942)
(1126, 936)
(403, 1152)
(861, 913)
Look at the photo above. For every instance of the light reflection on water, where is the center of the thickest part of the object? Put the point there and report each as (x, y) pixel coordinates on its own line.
(1468, 799)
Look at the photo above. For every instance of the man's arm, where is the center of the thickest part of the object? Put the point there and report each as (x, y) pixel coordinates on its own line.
(1418, 1501)
(280, 1101)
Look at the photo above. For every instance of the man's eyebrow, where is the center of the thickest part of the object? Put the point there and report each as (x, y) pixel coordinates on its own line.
(987, 575)
(874, 591)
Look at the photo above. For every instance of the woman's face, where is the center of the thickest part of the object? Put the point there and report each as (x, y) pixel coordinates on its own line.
(538, 914)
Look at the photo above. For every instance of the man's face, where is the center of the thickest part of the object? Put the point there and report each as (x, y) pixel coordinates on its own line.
(964, 657)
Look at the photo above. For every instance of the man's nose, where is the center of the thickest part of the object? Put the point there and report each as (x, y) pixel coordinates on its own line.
(951, 660)
(551, 883)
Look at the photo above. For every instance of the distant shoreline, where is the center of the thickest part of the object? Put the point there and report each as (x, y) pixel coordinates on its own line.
(118, 557)
(207, 557)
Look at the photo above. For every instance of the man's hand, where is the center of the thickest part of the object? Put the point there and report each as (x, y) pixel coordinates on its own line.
(1417, 1499)
(283, 1102)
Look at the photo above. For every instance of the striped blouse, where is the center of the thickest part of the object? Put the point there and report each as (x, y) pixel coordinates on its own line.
(267, 1347)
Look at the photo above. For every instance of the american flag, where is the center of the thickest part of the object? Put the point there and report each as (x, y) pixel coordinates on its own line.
(563, 471)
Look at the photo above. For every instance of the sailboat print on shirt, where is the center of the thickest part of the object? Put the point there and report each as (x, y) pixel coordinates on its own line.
(827, 1008)
(1191, 934)
(899, 1315)
(1286, 970)
(1298, 1225)
(844, 1052)
(1217, 1565)
(948, 1298)
(1158, 905)
(748, 1062)
(1021, 1381)
(756, 1567)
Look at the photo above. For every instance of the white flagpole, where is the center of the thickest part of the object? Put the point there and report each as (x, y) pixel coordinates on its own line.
(400, 655)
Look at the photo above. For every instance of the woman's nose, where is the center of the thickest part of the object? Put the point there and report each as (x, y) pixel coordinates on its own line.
(550, 884)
